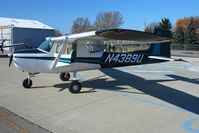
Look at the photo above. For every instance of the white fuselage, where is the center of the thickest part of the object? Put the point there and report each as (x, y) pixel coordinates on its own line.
(39, 61)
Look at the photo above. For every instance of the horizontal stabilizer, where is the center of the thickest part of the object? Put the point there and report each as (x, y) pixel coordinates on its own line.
(166, 58)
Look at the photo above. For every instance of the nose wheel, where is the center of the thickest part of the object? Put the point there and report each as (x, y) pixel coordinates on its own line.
(27, 83)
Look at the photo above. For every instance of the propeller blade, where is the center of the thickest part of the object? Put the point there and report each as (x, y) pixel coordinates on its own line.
(2, 45)
(11, 58)
(2, 50)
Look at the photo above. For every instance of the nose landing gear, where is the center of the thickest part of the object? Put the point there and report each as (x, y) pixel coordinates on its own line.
(27, 83)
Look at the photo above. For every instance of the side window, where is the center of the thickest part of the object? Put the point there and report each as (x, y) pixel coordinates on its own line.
(124, 46)
(95, 46)
(68, 47)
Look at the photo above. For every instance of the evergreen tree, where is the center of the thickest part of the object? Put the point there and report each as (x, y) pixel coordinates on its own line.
(190, 34)
(178, 36)
(165, 24)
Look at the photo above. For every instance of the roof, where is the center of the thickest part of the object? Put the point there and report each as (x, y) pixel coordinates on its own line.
(23, 23)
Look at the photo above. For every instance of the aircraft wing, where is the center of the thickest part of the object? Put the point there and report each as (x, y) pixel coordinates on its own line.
(74, 37)
(132, 36)
(13, 45)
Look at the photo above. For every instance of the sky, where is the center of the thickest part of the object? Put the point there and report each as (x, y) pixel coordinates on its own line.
(60, 14)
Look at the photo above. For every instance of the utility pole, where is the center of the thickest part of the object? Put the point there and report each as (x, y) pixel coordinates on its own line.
(145, 23)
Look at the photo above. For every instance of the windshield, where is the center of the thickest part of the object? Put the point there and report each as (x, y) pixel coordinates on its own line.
(46, 45)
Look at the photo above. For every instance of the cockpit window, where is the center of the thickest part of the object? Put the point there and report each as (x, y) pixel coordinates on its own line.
(46, 46)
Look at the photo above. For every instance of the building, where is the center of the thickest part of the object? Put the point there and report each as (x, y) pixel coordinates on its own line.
(30, 32)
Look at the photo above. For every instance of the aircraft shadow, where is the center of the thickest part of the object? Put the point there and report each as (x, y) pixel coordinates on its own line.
(150, 87)
(39, 87)
(194, 81)
(64, 86)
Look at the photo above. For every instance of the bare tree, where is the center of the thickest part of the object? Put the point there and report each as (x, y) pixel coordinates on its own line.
(58, 33)
(108, 20)
(151, 27)
(81, 25)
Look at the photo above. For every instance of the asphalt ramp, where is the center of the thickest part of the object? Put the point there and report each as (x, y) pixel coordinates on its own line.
(12, 123)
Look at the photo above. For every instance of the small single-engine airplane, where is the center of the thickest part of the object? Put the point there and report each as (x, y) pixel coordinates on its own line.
(91, 50)
(2, 46)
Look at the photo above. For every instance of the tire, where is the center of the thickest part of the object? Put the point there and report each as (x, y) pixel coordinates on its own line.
(27, 83)
(75, 87)
(65, 76)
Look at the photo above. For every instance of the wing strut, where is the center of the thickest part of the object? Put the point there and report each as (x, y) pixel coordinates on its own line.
(63, 47)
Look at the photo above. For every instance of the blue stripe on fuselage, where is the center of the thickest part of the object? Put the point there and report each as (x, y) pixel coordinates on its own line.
(28, 51)
(65, 60)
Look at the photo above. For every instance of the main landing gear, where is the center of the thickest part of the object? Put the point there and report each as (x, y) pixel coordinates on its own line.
(27, 83)
(64, 76)
(75, 85)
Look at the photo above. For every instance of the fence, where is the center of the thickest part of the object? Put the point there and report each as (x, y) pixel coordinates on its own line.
(194, 47)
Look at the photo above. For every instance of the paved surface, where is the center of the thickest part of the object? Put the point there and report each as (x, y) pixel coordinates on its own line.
(142, 99)
(12, 123)
(185, 53)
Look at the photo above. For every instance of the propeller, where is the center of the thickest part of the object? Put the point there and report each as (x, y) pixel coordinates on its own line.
(10, 60)
(2, 44)
(2, 50)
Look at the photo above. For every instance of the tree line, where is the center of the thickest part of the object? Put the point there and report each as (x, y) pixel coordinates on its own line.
(185, 31)
(104, 20)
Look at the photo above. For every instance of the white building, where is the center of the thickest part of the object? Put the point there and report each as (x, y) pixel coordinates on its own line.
(30, 32)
